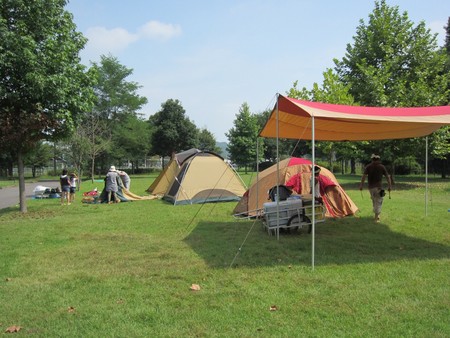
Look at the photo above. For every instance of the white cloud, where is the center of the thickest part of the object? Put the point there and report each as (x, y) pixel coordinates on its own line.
(103, 40)
(156, 30)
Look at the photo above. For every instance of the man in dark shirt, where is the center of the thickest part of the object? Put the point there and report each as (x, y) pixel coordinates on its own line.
(112, 184)
(374, 172)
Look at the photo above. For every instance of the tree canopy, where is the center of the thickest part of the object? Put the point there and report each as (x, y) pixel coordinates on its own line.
(242, 138)
(114, 125)
(44, 89)
(115, 94)
(173, 130)
(394, 63)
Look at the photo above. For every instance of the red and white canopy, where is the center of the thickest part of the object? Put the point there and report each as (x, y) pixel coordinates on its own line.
(333, 122)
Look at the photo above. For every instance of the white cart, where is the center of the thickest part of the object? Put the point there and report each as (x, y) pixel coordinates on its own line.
(294, 213)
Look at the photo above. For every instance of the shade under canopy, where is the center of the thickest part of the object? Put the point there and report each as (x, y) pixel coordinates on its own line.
(335, 122)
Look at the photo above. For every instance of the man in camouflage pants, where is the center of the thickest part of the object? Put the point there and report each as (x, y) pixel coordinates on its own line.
(374, 172)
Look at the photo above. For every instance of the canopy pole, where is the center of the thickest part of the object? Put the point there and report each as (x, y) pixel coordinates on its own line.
(257, 175)
(426, 176)
(313, 191)
(278, 170)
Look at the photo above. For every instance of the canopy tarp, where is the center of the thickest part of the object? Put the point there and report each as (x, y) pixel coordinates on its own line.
(333, 122)
(305, 120)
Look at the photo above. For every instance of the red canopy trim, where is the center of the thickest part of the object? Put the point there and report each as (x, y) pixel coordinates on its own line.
(334, 122)
(372, 111)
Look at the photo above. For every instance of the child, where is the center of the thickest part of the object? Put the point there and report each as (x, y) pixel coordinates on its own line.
(73, 186)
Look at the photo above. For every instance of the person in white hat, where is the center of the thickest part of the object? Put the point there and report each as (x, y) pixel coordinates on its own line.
(374, 171)
(112, 182)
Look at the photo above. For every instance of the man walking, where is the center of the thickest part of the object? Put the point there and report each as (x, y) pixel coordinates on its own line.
(374, 172)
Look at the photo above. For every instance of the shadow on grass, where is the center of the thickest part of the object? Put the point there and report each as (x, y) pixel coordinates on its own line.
(9, 210)
(337, 242)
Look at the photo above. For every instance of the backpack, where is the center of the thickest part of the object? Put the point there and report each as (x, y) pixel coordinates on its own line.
(284, 193)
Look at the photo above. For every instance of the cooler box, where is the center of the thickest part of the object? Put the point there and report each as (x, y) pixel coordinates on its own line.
(286, 209)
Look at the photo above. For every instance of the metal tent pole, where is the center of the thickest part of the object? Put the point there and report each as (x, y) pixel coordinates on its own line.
(278, 170)
(257, 176)
(426, 176)
(313, 191)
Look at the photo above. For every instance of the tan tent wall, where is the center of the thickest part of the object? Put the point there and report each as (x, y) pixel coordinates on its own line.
(165, 179)
(202, 178)
(257, 193)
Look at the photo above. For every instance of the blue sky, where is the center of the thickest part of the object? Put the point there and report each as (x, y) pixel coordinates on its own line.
(215, 55)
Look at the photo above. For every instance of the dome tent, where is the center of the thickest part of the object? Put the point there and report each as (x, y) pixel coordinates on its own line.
(195, 176)
(295, 173)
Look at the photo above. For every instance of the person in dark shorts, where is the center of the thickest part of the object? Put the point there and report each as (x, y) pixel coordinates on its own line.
(374, 172)
(64, 182)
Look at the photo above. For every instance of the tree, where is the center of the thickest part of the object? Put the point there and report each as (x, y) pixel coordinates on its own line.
(394, 63)
(242, 138)
(78, 151)
(39, 156)
(117, 99)
(44, 88)
(96, 141)
(172, 130)
(286, 147)
(130, 137)
(115, 95)
(332, 90)
(440, 143)
(207, 141)
(447, 52)
(6, 165)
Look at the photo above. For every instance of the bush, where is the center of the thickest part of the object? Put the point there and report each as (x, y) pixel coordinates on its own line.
(143, 171)
(406, 166)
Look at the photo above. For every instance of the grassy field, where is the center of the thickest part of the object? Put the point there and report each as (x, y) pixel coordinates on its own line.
(126, 270)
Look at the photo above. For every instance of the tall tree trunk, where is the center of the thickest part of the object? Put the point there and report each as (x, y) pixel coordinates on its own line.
(444, 167)
(92, 169)
(54, 158)
(80, 175)
(11, 169)
(21, 172)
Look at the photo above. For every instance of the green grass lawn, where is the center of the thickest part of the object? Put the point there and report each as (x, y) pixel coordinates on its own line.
(125, 270)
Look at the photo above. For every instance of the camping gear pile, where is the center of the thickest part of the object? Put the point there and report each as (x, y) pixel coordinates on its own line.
(41, 191)
(91, 197)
